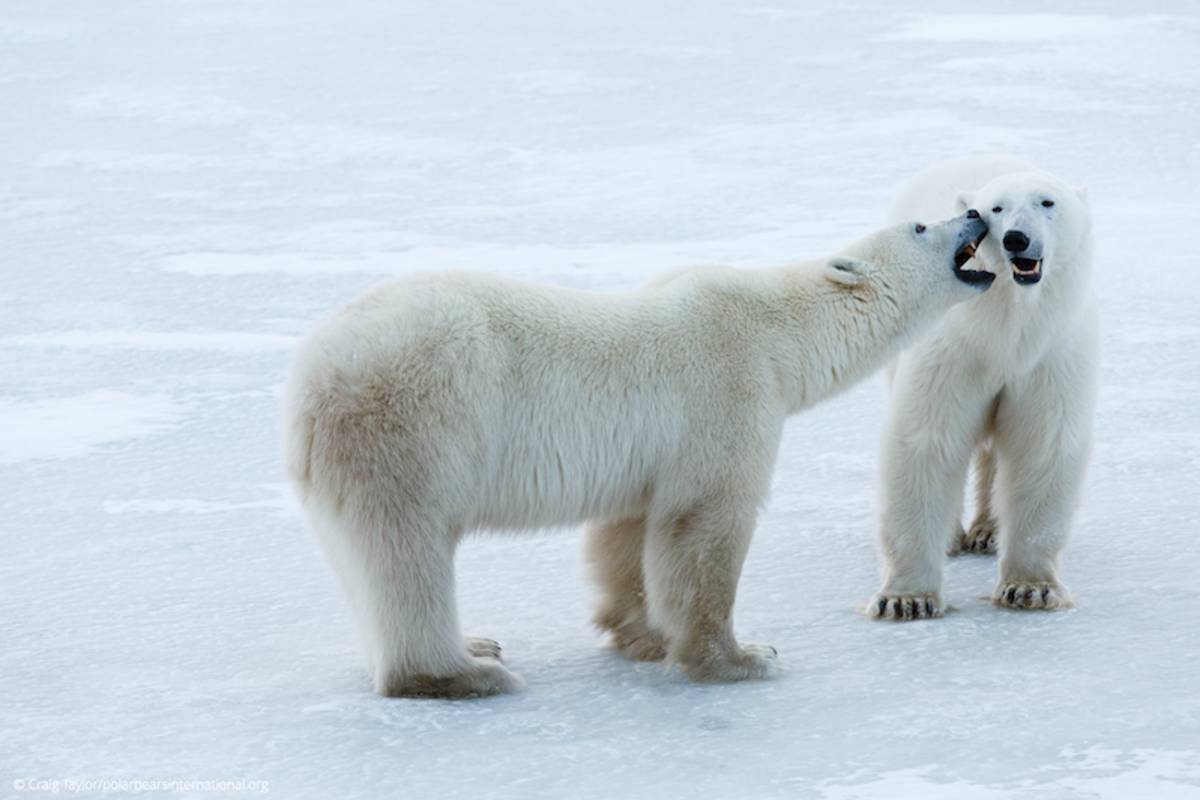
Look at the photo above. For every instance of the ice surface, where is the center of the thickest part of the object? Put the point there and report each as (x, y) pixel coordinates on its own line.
(186, 187)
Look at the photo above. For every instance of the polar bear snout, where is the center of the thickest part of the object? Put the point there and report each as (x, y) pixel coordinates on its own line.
(1025, 255)
(971, 231)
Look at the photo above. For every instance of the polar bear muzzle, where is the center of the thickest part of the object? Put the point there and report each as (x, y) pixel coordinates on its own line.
(1025, 255)
(970, 235)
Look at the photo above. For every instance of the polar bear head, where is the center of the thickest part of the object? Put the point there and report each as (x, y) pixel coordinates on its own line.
(918, 259)
(1037, 223)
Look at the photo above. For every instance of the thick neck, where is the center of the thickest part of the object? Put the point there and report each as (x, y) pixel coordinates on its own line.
(834, 336)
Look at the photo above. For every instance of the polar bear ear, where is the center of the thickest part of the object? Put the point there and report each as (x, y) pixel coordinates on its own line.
(1083, 194)
(846, 271)
(964, 200)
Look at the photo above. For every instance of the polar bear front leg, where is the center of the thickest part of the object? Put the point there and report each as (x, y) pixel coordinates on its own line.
(693, 561)
(614, 551)
(936, 419)
(1043, 440)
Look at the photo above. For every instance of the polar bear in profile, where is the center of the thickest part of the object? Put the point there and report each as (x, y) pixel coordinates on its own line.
(1010, 377)
(441, 405)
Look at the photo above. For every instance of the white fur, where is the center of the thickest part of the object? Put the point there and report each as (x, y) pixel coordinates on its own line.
(445, 404)
(1010, 375)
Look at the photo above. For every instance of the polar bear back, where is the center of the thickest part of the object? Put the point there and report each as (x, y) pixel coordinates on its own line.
(932, 194)
(540, 405)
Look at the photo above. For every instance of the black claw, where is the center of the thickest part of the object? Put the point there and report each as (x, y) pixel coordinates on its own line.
(897, 609)
(1011, 596)
(929, 608)
(883, 606)
(1028, 597)
(1045, 594)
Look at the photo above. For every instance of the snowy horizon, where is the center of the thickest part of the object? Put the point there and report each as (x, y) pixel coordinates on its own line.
(187, 188)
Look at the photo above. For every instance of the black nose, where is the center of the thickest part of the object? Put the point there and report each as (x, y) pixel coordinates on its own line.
(1015, 242)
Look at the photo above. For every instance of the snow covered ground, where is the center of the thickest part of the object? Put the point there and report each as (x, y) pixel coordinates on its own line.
(185, 187)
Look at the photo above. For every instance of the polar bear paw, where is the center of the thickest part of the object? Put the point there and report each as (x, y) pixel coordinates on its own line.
(482, 647)
(980, 538)
(1031, 595)
(632, 635)
(905, 607)
(640, 643)
(748, 662)
(481, 677)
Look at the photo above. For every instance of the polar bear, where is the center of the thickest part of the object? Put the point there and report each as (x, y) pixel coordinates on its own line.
(441, 405)
(1010, 376)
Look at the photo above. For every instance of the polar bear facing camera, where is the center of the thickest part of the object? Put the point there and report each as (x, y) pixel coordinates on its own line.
(1009, 377)
(440, 405)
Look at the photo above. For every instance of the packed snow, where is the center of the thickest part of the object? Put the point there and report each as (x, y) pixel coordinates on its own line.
(185, 188)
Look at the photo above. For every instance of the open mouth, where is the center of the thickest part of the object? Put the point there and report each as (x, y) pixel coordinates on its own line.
(977, 277)
(1027, 270)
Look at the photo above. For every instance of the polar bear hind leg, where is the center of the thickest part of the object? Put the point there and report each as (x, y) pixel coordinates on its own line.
(615, 551)
(399, 571)
(980, 536)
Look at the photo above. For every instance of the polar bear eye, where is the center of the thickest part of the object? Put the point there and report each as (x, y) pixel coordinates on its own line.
(920, 228)
(1047, 204)
(997, 210)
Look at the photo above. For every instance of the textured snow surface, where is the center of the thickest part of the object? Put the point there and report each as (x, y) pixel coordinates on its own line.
(186, 187)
